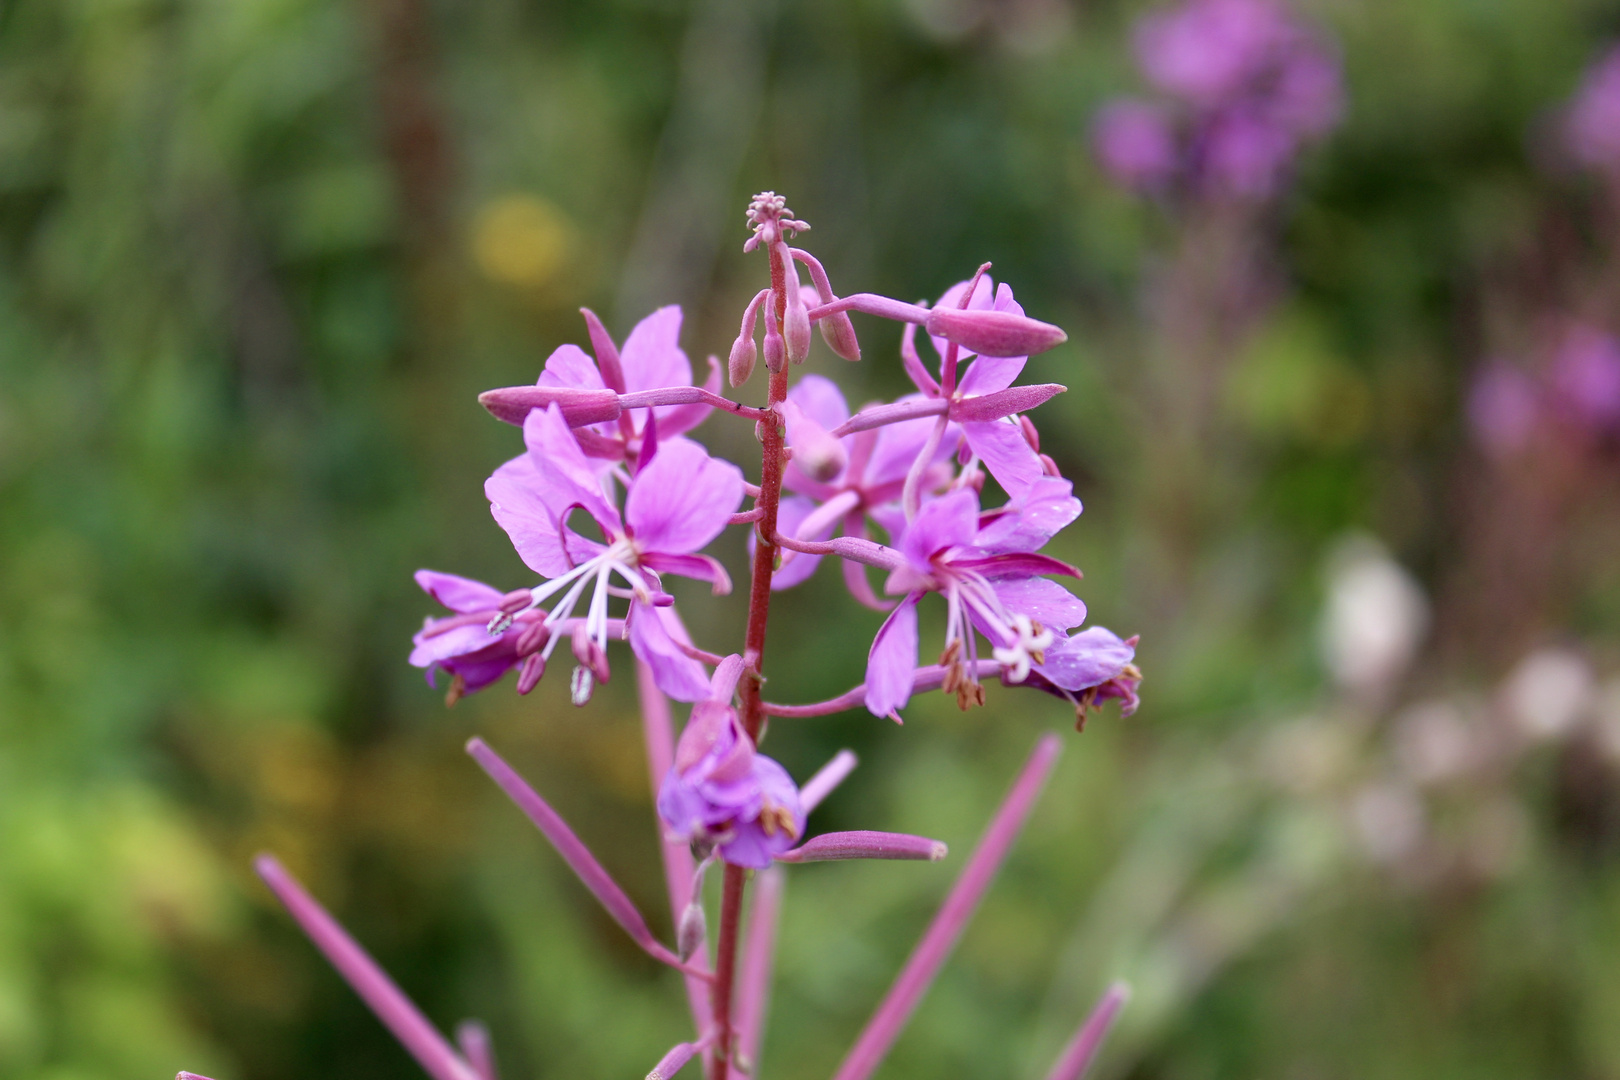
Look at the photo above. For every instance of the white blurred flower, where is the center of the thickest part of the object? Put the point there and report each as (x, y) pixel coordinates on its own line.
(1375, 619)
(1434, 742)
(1389, 820)
(1548, 692)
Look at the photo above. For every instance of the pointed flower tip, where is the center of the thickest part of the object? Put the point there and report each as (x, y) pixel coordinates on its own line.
(993, 333)
(579, 405)
(938, 851)
(476, 746)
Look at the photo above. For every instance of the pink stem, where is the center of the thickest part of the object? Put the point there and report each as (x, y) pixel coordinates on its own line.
(846, 547)
(1072, 1063)
(911, 494)
(361, 972)
(473, 1038)
(872, 304)
(819, 786)
(656, 725)
(689, 395)
(754, 980)
(881, 415)
(674, 1061)
(864, 844)
(574, 853)
(931, 677)
(942, 934)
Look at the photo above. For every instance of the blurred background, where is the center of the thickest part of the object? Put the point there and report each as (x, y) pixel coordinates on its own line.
(1341, 283)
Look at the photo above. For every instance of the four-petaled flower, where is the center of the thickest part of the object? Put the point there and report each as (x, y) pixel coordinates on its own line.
(722, 793)
(988, 570)
(677, 502)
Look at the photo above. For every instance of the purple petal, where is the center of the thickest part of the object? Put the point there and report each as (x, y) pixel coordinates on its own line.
(1018, 564)
(696, 567)
(652, 640)
(683, 499)
(461, 641)
(1028, 522)
(1087, 659)
(651, 357)
(892, 659)
(569, 365)
(563, 477)
(898, 446)
(360, 971)
(1043, 600)
(946, 522)
(514, 500)
(459, 594)
(1006, 453)
(821, 400)
(988, 374)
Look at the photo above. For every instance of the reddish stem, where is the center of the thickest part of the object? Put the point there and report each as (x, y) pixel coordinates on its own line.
(772, 457)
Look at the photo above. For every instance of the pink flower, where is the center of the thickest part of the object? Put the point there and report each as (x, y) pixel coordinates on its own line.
(1593, 125)
(677, 502)
(650, 360)
(993, 582)
(721, 793)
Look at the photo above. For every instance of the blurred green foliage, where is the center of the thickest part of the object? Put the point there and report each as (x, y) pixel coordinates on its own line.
(256, 260)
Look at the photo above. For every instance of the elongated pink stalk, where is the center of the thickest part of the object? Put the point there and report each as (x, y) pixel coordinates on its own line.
(819, 786)
(1078, 1055)
(942, 934)
(183, 1075)
(931, 677)
(759, 953)
(865, 844)
(361, 972)
(674, 1061)
(659, 732)
(574, 852)
(473, 1038)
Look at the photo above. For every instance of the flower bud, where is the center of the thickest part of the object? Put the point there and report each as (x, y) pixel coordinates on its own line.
(693, 928)
(775, 348)
(1031, 436)
(796, 327)
(993, 333)
(839, 334)
(741, 363)
(580, 406)
(817, 454)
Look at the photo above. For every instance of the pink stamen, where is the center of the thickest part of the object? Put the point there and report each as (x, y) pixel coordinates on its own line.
(1082, 1049)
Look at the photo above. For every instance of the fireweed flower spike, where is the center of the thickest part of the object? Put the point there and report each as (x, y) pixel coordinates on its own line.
(677, 502)
(605, 434)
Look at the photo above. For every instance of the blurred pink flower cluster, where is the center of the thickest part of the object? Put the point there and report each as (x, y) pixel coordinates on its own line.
(1243, 85)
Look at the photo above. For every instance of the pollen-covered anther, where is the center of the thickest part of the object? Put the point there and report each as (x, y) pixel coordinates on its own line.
(773, 818)
(581, 685)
